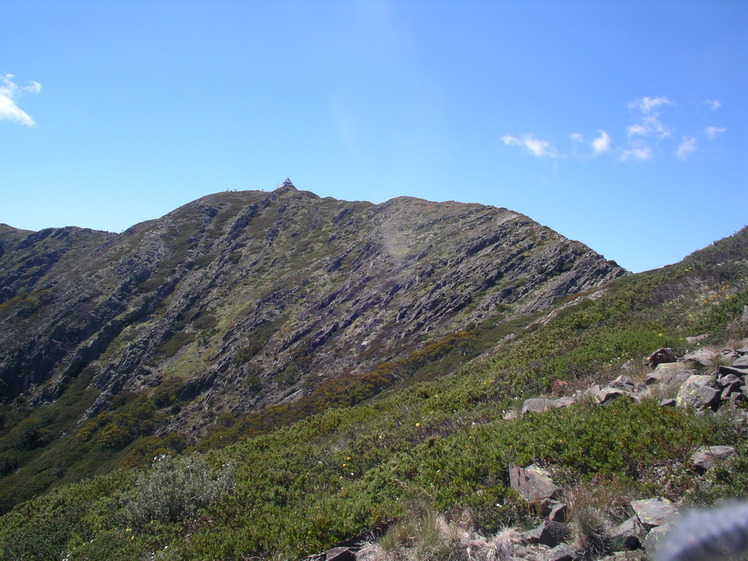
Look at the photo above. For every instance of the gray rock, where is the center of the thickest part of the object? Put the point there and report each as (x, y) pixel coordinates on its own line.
(695, 392)
(654, 512)
(654, 538)
(728, 380)
(622, 383)
(704, 356)
(562, 552)
(341, 554)
(696, 338)
(708, 456)
(564, 402)
(740, 372)
(558, 512)
(729, 390)
(640, 387)
(534, 483)
(627, 535)
(548, 533)
(741, 361)
(606, 395)
(668, 402)
(536, 405)
(674, 372)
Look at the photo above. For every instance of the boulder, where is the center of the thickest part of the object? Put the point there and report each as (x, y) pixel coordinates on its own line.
(622, 383)
(654, 512)
(536, 405)
(654, 538)
(697, 393)
(534, 484)
(606, 395)
(704, 356)
(741, 361)
(661, 355)
(728, 391)
(562, 552)
(627, 536)
(668, 402)
(696, 338)
(558, 512)
(728, 380)
(548, 533)
(708, 456)
(740, 372)
(564, 402)
(672, 372)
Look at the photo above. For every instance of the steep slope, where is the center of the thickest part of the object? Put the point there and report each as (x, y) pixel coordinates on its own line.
(250, 298)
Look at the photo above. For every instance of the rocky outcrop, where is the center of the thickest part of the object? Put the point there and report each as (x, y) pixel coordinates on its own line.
(248, 299)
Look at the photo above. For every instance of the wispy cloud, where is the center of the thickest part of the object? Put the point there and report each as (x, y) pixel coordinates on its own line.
(576, 137)
(9, 91)
(713, 104)
(601, 143)
(648, 121)
(686, 147)
(714, 132)
(641, 153)
(646, 104)
(537, 147)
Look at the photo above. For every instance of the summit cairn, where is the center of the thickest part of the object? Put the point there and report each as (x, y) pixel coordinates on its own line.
(287, 183)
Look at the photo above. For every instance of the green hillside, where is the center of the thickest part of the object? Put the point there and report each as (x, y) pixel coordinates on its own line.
(426, 434)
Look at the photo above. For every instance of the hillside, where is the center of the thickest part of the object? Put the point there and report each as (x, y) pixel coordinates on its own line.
(420, 428)
(128, 343)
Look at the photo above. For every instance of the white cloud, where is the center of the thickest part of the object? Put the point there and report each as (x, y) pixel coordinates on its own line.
(650, 125)
(601, 143)
(9, 91)
(713, 104)
(646, 104)
(535, 146)
(686, 147)
(641, 153)
(576, 137)
(714, 132)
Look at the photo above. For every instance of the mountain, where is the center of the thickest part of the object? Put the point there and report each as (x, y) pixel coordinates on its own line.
(240, 300)
(424, 423)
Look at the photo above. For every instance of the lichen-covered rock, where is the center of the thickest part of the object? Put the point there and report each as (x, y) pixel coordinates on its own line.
(654, 512)
(534, 483)
(697, 393)
(707, 457)
(627, 535)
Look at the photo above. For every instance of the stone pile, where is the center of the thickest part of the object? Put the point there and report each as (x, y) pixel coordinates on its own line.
(726, 385)
(637, 537)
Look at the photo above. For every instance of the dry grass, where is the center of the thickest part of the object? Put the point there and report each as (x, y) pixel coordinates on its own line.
(430, 537)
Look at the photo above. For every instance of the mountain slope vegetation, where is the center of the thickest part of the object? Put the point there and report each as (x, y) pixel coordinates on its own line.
(245, 310)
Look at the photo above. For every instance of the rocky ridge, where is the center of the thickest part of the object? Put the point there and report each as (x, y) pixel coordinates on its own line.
(241, 300)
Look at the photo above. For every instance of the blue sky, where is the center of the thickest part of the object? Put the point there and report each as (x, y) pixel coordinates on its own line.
(620, 124)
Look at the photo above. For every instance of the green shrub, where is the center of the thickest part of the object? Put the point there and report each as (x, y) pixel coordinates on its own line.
(174, 488)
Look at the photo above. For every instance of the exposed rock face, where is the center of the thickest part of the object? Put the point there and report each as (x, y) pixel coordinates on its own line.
(251, 298)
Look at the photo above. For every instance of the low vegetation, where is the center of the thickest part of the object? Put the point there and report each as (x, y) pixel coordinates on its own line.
(426, 454)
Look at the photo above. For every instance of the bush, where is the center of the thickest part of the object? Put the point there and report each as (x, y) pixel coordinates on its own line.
(175, 488)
